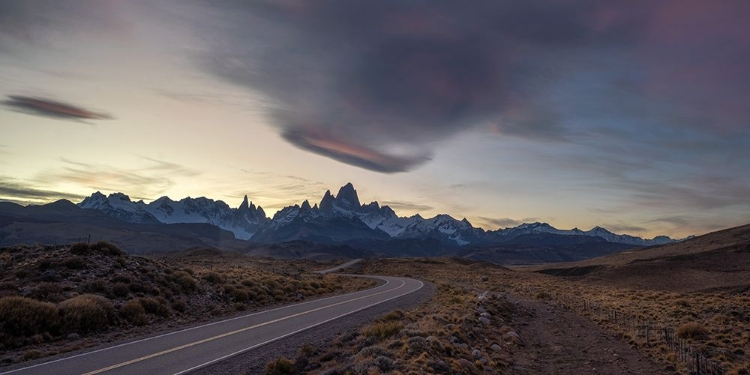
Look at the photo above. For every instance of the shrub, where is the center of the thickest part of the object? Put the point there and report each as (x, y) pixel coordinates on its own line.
(179, 305)
(691, 330)
(50, 292)
(213, 278)
(107, 248)
(281, 366)
(134, 313)
(154, 306)
(103, 247)
(240, 295)
(120, 289)
(80, 248)
(393, 316)
(543, 295)
(185, 281)
(75, 263)
(21, 316)
(96, 286)
(86, 313)
(382, 330)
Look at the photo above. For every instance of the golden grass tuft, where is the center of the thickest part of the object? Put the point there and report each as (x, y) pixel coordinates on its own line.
(691, 330)
(382, 330)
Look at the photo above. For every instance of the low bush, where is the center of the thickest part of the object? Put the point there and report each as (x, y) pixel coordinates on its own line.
(75, 263)
(382, 330)
(213, 278)
(543, 295)
(281, 366)
(134, 313)
(154, 306)
(102, 247)
(393, 316)
(86, 313)
(186, 282)
(691, 330)
(22, 317)
(120, 289)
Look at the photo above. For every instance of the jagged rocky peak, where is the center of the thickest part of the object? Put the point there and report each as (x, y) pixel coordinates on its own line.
(94, 200)
(244, 205)
(327, 200)
(119, 196)
(348, 194)
(306, 205)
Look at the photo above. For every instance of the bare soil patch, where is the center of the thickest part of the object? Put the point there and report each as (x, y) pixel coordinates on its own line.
(557, 341)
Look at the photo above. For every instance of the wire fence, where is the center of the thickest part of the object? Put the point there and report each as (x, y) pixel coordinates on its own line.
(649, 331)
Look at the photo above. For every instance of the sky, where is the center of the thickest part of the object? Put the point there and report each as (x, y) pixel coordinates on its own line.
(630, 115)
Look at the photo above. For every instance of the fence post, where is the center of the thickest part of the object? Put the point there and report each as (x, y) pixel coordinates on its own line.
(697, 363)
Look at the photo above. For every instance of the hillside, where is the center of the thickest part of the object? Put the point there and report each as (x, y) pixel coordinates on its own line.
(718, 260)
(55, 299)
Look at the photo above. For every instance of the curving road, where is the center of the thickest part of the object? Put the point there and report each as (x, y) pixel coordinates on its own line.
(190, 349)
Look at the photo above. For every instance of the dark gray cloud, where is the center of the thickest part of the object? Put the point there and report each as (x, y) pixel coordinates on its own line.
(15, 191)
(376, 83)
(50, 108)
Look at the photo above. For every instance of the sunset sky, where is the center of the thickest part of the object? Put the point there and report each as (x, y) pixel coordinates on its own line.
(632, 115)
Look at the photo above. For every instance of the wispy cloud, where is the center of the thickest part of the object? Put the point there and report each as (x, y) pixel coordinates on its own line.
(407, 206)
(151, 179)
(624, 228)
(26, 192)
(49, 108)
(495, 223)
(274, 191)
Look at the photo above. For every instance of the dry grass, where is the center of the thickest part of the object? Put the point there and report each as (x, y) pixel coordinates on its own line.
(440, 336)
(715, 323)
(86, 313)
(281, 366)
(432, 338)
(95, 291)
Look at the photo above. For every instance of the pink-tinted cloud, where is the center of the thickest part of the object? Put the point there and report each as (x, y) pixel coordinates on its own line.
(374, 74)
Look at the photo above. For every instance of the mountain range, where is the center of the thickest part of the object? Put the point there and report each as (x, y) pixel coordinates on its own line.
(336, 219)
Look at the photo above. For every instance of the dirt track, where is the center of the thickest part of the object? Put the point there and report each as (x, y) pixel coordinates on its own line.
(558, 341)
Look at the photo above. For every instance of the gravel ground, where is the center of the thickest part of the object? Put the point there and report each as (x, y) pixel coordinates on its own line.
(254, 361)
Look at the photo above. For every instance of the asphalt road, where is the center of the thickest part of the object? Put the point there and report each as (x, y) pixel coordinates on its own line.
(190, 349)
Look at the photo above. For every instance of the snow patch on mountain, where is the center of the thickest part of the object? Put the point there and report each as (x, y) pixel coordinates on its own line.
(247, 220)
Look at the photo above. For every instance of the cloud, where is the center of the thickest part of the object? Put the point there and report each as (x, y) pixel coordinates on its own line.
(624, 228)
(407, 206)
(352, 153)
(494, 223)
(378, 84)
(275, 191)
(50, 108)
(21, 192)
(147, 181)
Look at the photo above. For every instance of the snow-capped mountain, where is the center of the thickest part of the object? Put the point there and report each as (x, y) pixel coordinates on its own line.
(243, 221)
(538, 228)
(119, 205)
(337, 218)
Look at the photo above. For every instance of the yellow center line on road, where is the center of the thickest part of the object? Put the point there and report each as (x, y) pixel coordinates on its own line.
(130, 362)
